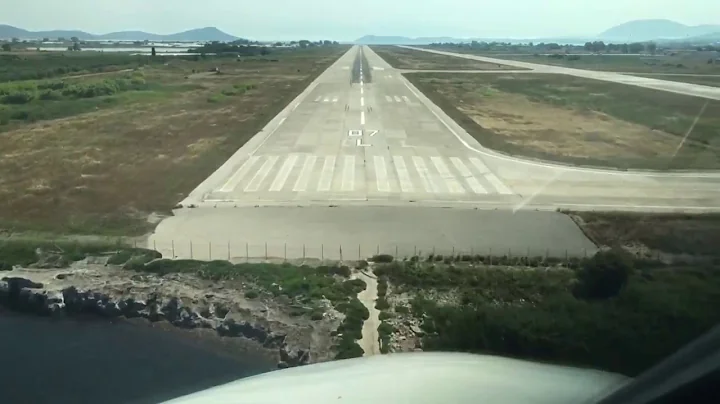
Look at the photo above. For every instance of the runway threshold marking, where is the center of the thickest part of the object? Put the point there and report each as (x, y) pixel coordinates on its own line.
(492, 178)
(260, 175)
(235, 179)
(326, 174)
(348, 176)
(465, 172)
(422, 170)
(284, 173)
(381, 175)
(406, 184)
(305, 173)
(450, 182)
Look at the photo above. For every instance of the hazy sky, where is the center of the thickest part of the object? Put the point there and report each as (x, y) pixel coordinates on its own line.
(348, 20)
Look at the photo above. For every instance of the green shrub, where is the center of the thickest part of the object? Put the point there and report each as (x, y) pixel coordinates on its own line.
(18, 97)
(384, 315)
(382, 304)
(604, 275)
(50, 95)
(251, 294)
(317, 315)
(382, 258)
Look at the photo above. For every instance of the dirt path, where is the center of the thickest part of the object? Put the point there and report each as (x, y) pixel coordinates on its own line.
(369, 342)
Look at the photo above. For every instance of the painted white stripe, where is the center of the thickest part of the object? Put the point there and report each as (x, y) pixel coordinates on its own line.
(326, 99)
(397, 99)
(388, 98)
(284, 173)
(405, 183)
(452, 184)
(467, 175)
(259, 177)
(361, 83)
(362, 101)
(406, 98)
(235, 179)
(492, 178)
(348, 178)
(335, 99)
(362, 90)
(326, 174)
(304, 178)
(381, 175)
(318, 99)
(423, 172)
(362, 117)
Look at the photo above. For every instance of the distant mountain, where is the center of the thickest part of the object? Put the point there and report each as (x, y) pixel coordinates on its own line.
(200, 34)
(646, 30)
(402, 40)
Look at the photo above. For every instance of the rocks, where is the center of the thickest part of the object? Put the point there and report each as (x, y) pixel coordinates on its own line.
(25, 295)
(416, 330)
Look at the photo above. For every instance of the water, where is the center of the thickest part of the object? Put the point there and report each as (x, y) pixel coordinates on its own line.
(91, 361)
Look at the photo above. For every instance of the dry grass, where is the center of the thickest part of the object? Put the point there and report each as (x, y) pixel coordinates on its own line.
(105, 172)
(579, 121)
(402, 58)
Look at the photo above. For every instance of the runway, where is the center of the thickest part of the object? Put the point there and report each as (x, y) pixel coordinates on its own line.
(362, 161)
(362, 134)
(696, 90)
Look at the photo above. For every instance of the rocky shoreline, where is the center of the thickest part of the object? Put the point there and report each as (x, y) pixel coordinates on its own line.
(182, 300)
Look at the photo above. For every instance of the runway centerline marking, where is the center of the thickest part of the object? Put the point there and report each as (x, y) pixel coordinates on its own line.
(362, 101)
(362, 117)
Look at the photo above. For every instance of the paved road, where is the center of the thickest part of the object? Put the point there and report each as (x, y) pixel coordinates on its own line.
(365, 140)
(664, 85)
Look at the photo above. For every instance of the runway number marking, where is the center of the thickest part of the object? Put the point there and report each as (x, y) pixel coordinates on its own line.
(358, 134)
(355, 133)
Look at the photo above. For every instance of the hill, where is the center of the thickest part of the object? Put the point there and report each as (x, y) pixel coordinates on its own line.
(645, 30)
(200, 34)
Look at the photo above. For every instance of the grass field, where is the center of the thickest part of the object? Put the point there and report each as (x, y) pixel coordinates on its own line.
(683, 62)
(579, 121)
(401, 58)
(709, 80)
(101, 161)
(671, 233)
(43, 65)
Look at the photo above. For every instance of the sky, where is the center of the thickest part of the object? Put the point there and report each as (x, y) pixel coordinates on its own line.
(348, 20)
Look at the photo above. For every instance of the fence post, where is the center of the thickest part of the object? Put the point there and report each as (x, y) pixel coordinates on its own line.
(210, 250)
(341, 252)
(566, 259)
(358, 252)
(285, 251)
(247, 252)
(472, 252)
(154, 245)
(490, 256)
(266, 251)
(303, 251)
(453, 253)
(415, 251)
(322, 252)
(396, 251)
(378, 250)
(228, 251)
(173, 248)
(528, 253)
(191, 252)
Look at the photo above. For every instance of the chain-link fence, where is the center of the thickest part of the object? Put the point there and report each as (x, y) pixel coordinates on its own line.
(239, 251)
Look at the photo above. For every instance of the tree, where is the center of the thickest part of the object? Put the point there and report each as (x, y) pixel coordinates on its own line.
(152, 51)
(6, 47)
(624, 48)
(651, 47)
(604, 275)
(61, 39)
(636, 47)
(304, 43)
(588, 46)
(16, 40)
(46, 39)
(278, 44)
(75, 39)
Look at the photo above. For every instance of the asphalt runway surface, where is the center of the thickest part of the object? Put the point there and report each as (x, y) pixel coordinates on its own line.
(361, 135)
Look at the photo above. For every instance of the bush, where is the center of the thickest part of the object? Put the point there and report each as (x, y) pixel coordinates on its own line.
(382, 258)
(50, 95)
(18, 97)
(603, 276)
(382, 304)
(317, 315)
(384, 315)
(252, 294)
